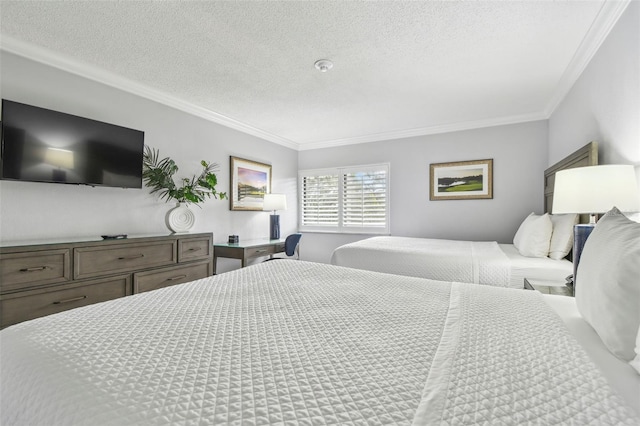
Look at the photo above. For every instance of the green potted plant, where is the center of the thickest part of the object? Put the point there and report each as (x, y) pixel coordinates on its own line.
(158, 174)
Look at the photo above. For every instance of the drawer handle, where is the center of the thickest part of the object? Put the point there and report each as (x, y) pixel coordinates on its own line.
(176, 278)
(135, 256)
(195, 249)
(261, 251)
(74, 299)
(35, 269)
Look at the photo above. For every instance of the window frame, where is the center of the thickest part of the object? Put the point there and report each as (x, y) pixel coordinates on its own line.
(340, 172)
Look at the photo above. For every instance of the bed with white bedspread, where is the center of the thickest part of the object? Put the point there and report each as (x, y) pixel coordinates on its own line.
(538, 251)
(479, 262)
(291, 342)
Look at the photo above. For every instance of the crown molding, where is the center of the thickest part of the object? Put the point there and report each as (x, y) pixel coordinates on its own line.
(65, 63)
(425, 131)
(607, 17)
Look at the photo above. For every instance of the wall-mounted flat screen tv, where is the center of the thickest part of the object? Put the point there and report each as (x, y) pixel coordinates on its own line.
(41, 145)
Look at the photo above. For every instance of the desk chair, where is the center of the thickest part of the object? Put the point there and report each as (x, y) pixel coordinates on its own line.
(291, 246)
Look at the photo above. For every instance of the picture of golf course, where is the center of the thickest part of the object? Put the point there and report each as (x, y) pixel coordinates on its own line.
(465, 180)
(252, 185)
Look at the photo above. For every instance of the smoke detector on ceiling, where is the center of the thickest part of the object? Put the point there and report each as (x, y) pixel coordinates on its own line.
(323, 65)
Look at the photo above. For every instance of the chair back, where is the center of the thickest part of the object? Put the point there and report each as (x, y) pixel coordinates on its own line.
(290, 244)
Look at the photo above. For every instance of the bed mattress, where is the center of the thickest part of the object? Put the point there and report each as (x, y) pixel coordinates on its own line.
(538, 268)
(295, 342)
(485, 262)
(442, 260)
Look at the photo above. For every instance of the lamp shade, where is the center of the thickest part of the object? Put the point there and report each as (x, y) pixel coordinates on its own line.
(274, 202)
(595, 189)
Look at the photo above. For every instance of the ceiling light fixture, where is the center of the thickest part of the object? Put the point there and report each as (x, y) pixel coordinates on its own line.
(323, 65)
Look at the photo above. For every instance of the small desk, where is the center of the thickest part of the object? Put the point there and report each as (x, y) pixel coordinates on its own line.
(246, 250)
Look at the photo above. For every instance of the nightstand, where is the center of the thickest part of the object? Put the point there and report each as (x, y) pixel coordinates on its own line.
(548, 287)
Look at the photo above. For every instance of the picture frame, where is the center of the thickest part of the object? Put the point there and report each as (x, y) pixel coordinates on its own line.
(461, 180)
(250, 180)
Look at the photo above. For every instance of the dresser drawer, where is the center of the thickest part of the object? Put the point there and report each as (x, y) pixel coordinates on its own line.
(32, 304)
(95, 261)
(165, 277)
(194, 249)
(259, 251)
(31, 269)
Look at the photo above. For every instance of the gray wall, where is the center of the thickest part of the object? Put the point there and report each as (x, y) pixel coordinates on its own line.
(519, 153)
(604, 104)
(32, 211)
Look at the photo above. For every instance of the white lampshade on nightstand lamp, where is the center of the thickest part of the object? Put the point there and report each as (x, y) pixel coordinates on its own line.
(593, 190)
(274, 202)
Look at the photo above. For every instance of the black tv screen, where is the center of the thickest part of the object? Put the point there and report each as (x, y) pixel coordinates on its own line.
(41, 145)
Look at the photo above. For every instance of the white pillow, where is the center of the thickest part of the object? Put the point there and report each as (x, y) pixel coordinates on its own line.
(534, 235)
(635, 363)
(608, 283)
(562, 235)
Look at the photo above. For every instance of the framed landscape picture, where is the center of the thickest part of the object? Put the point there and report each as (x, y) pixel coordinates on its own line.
(250, 180)
(462, 180)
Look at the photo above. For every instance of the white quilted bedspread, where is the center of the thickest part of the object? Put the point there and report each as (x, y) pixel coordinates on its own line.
(442, 260)
(289, 342)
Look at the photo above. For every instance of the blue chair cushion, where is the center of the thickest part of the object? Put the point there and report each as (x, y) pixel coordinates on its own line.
(290, 244)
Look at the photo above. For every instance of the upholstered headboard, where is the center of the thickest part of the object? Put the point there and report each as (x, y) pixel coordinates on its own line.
(585, 156)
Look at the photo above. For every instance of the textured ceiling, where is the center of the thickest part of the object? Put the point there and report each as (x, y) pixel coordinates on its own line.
(400, 68)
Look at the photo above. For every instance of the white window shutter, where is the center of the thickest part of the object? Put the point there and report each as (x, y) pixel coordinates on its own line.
(364, 199)
(320, 201)
(348, 200)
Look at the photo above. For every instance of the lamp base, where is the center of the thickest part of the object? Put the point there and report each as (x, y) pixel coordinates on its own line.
(580, 234)
(274, 227)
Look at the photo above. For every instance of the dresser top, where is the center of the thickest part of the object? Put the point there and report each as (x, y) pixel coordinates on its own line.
(97, 239)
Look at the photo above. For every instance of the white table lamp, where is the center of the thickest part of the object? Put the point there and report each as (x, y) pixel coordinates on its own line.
(592, 190)
(274, 202)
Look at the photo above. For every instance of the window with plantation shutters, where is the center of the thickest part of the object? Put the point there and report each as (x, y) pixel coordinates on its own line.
(349, 199)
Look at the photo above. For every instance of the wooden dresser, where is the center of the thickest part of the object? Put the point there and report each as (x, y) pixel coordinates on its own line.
(42, 279)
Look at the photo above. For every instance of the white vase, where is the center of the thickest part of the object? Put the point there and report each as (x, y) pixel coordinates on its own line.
(180, 218)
